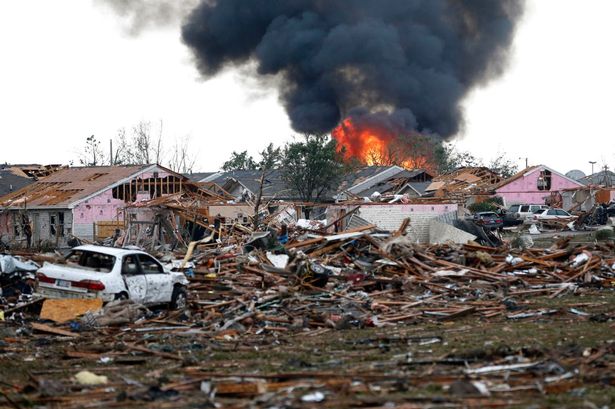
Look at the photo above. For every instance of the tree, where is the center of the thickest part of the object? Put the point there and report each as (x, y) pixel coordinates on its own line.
(270, 159)
(239, 161)
(92, 154)
(313, 166)
(447, 158)
(182, 159)
(145, 149)
(122, 152)
(503, 166)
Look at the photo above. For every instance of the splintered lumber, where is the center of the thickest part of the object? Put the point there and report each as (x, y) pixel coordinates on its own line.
(52, 330)
(305, 243)
(155, 353)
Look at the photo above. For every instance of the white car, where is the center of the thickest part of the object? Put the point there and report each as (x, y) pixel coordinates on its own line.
(549, 214)
(112, 273)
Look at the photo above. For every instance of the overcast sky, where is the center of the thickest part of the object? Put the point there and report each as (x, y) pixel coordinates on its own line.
(68, 70)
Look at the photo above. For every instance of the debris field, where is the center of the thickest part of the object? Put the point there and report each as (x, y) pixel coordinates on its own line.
(353, 319)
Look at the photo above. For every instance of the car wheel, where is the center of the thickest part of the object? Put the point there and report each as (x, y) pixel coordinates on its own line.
(179, 299)
(121, 296)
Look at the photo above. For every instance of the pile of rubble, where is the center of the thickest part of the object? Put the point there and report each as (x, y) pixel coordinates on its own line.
(356, 279)
(249, 292)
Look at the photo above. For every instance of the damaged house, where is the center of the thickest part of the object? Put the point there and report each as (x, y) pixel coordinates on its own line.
(535, 185)
(383, 181)
(86, 202)
(465, 185)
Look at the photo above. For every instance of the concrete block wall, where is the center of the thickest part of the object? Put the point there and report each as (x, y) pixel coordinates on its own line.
(390, 217)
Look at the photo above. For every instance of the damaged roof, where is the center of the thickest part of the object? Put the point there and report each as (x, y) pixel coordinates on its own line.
(12, 180)
(370, 179)
(67, 186)
(250, 179)
(465, 180)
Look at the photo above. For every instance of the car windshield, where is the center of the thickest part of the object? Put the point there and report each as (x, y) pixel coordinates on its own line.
(91, 260)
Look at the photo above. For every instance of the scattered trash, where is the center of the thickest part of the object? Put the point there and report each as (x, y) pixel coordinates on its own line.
(89, 378)
(313, 397)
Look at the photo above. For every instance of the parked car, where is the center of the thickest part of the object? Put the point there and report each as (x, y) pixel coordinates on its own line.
(112, 273)
(490, 220)
(549, 214)
(522, 211)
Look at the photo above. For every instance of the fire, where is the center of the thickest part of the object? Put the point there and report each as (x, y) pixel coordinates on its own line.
(375, 145)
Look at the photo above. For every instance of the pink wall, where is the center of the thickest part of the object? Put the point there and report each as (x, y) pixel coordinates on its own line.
(104, 207)
(525, 189)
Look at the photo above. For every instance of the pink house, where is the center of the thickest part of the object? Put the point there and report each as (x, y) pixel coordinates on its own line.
(534, 185)
(82, 202)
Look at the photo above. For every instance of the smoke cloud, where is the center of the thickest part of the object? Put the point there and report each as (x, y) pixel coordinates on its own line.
(139, 15)
(407, 61)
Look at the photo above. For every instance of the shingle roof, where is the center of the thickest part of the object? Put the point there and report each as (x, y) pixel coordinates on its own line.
(67, 186)
(274, 183)
(198, 176)
(10, 182)
(606, 178)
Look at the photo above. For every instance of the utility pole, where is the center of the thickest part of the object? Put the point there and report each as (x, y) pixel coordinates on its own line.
(592, 162)
(526, 161)
(110, 152)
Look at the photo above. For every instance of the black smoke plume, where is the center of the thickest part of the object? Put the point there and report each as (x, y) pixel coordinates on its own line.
(411, 58)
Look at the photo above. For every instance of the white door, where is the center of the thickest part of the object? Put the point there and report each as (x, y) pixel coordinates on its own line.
(159, 286)
(135, 280)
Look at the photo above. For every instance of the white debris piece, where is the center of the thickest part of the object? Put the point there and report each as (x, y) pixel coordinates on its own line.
(278, 260)
(450, 273)
(513, 261)
(89, 378)
(313, 397)
(580, 259)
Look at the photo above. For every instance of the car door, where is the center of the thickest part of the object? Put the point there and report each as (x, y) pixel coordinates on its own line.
(135, 280)
(159, 285)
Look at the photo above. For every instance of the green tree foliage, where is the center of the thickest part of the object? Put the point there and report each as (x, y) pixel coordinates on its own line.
(493, 204)
(271, 157)
(312, 166)
(239, 161)
(503, 166)
(448, 158)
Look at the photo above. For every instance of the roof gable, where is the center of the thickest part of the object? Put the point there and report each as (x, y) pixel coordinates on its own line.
(533, 169)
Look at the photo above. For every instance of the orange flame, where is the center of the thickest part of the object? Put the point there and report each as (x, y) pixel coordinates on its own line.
(373, 146)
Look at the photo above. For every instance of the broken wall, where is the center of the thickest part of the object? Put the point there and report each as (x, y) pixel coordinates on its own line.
(390, 216)
(105, 208)
(525, 190)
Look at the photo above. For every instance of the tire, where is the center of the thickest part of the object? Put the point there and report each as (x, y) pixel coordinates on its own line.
(179, 299)
(121, 296)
